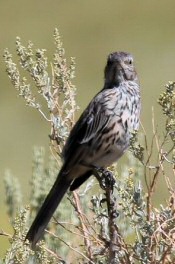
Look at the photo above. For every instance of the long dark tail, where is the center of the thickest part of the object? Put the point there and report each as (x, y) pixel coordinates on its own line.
(48, 208)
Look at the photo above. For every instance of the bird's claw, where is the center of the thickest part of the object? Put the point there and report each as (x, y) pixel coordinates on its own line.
(106, 179)
(104, 176)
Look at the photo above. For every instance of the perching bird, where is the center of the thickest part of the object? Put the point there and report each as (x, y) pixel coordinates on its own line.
(99, 138)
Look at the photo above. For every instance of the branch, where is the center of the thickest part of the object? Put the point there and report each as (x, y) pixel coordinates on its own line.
(116, 242)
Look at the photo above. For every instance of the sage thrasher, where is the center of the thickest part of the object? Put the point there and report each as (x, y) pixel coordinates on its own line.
(99, 138)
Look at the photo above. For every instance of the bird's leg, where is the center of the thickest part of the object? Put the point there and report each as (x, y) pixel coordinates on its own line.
(106, 179)
(104, 176)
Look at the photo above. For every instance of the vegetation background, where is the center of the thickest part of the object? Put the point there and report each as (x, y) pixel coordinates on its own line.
(90, 30)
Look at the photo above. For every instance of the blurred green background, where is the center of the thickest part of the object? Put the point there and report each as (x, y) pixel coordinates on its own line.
(90, 30)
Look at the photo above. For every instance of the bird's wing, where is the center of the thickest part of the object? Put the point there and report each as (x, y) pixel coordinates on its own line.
(94, 120)
(91, 122)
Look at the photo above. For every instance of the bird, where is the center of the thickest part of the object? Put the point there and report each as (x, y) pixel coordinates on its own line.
(99, 137)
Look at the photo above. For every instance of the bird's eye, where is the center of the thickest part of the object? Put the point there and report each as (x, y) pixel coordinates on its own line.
(129, 62)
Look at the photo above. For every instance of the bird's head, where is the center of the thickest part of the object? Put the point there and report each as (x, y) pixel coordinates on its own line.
(119, 68)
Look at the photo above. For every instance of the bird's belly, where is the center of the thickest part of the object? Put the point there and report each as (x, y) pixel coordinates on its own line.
(108, 159)
(110, 151)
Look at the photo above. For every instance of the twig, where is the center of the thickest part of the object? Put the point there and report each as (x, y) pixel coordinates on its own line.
(45, 117)
(72, 248)
(2, 233)
(53, 253)
(93, 238)
(84, 227)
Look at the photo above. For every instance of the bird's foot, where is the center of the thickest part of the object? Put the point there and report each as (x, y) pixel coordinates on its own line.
(105, 178)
